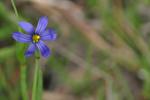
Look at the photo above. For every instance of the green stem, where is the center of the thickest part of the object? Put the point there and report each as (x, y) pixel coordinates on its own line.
(36, 77)
(14, 7)
(40, 85)
(16, 12)
(23, 84)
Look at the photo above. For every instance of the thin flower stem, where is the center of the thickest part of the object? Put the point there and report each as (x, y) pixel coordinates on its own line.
(35, 80)
(14, 7)
(40, 85)
(16, 12)
(23, 84)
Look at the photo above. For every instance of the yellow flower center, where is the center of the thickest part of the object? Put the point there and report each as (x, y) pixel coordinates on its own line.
(36, 38)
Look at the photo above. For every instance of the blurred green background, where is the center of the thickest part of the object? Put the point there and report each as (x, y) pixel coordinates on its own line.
(102, 51)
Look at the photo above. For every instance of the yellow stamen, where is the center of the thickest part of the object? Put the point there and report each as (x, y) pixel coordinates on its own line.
(36, 38)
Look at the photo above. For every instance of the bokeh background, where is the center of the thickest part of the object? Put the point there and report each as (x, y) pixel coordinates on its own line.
(102, 51)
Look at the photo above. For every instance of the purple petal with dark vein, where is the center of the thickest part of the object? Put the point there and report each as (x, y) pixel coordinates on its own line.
(42, 24)
(31, 49)
(20, 37)
(49, 34)
(45, 51)
(27, 27)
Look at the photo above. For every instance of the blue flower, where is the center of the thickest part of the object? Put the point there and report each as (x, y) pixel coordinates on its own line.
(35, 37)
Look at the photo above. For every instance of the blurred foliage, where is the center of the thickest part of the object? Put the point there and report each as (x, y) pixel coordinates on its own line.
(74, 64)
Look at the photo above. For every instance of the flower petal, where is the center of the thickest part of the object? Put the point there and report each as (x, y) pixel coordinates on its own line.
(21, 37)
(31, 49)
(45, 51)
(49, 34)
(42, 24)
(27, 27)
